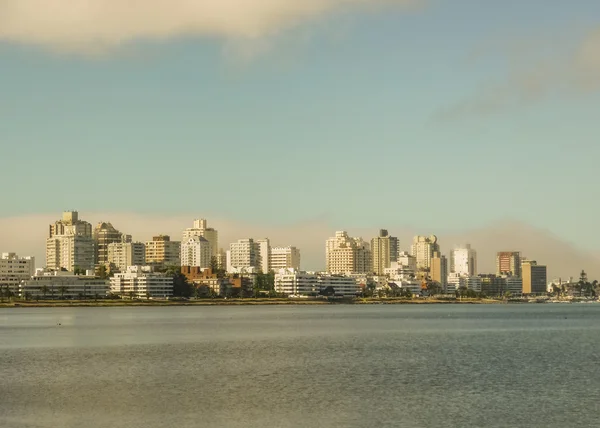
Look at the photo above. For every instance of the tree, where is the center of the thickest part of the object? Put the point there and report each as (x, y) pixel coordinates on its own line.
(102, 272)
(434, 287)
(181, 286)
(62, 290)
(329, 291)
(406, 293)
(27, 296)
(44, 289)
(582, 284)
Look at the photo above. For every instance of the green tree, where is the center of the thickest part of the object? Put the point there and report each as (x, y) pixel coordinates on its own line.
(62, 290)
(582, 283)
(102, 272)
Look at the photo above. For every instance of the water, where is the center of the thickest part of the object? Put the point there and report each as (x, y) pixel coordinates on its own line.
(317, 366)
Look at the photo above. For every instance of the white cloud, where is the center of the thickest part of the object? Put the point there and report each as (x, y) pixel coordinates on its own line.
(92, 26)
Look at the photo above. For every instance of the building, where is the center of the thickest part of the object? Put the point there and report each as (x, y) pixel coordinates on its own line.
(292, 282)
(162, 252)
(408, 261)
(534, 277)
(14, 269)
(243, 254)
(264, 253)
(104, 235)
(124, 254)
(342, 285)
(422, 249)
(209, 283)
(381, 252)
(285, 258)
(508, 263)
(344, 254)
(394, 249)
(141, 283)
(463, 261)
(493, 285)
(514, 284)
(70, 245)
(439, 269)
(196, 251)
(201, 229)
(63, 285)
(457, 281)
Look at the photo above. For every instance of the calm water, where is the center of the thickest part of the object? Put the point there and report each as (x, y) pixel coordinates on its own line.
(335, 366)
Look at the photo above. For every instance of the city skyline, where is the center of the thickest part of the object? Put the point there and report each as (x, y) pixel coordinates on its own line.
(562, 260)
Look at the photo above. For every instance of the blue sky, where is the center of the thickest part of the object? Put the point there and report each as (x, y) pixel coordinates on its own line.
(448, 116)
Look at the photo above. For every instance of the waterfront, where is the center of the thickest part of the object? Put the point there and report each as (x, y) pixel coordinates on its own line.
(300, 366)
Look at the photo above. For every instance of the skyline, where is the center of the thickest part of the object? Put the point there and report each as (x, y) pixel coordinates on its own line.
(424, 116)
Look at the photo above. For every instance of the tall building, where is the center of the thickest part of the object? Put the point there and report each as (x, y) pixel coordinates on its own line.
(70, 244)
(162, 252)
(439, 269)
(344, 254)
(264, 252)
(285, 258)
(463, 261)
(201, 229)
(104, 235)
(243, 254)
(534, 277)
(423, 248)
(508, 263)
(381, 252)
(196, 252)
(125, 254)
(394, 249)
(14, 269)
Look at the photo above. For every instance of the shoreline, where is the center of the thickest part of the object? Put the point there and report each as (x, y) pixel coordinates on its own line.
(243, 302)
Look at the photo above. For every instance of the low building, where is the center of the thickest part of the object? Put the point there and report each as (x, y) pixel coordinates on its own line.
(514, 285)
(14, 270)
(492, 285)
(343, 285)
(63, 285)
(140, 282)
(292, 282)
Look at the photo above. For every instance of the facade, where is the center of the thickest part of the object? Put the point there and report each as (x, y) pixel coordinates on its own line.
(408, 261)
(439, 270)
(104, 235)
(493, 285)
(508, 263)
(422, 249)
(124, 254)
(163, 252)
(196, 252)
(264, 252)
(285, 258)
(394, 249)
(141, 283)
(64, 285)
(534, 277)
(70, 244)
(457, 281)
(463, 261)
(381, 252)
(201, 229)
(292, 282)
(14, 269)
(344, 254)
(514, 284)
(342, 285)
(243, 254)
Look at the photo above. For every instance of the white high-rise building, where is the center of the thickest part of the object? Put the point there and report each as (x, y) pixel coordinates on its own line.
(243, 254)
(140, 282)
(463, 261)
(285, 258)
(124, 254)
(344, 254)
(14, 269)
(70, 244)
(423, 248)
(264, 253)
(196, 252)
(201, 229)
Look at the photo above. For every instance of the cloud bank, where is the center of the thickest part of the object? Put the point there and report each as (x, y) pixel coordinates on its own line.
(534, 75)
(91, 26)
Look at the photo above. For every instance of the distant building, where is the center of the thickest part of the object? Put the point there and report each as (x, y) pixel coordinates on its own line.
(285, 258)
(264, 253)
(344, 254)
(105, 234)
(534, 277)
(70, 244)
(162, 252)
(508, 263)
(457, 281)
(14, 269)
(439, 270)
(381, 252)
(394, 249)
(124, 254)
(463, 261)
(423, 248)
(201, 229)
(196, 251)
(292, 282)
(243, 254)
(62, 284)
(140, 282)
(514, 284)
(492, 285)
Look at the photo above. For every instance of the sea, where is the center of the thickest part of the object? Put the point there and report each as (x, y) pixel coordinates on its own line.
(504, 365)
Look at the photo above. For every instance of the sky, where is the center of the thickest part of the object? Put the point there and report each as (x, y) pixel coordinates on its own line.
(419, 116)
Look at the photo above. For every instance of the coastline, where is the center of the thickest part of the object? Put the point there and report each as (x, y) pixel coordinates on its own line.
(242, 302)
